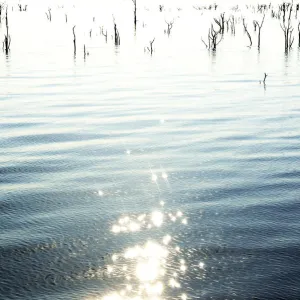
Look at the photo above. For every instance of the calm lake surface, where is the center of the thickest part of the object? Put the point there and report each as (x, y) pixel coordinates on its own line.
(131, 176)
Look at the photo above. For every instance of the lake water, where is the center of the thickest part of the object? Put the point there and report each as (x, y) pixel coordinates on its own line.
(130, 176)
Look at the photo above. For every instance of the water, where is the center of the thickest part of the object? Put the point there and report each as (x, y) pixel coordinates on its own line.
(131, 176)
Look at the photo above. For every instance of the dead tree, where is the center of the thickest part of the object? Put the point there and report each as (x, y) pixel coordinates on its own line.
(66, 17)
(287, 29)
(259, 29)
(227, 25)
(104, 34)
(134, 12)
(150, 48)
(264, 81)
(117, 35)
(206, 45)
(49, 17)
(7, 38)
(197, 7)
(254, 25)
(214, 39)
(170, 26)
(247, 32)
(161, 7)
(1, 8)
(85, 53)
(74, 40)
(22, 8)
(299, 34)
(221, 22)
(284, 11)
(232, 24)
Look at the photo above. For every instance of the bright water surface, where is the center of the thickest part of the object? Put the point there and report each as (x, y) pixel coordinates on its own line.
(175, 176)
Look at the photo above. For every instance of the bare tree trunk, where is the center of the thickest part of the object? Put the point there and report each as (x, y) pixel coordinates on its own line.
(247, 32)
(7, 38)
(259, 29)
(288, 29)
(134, 20)
(74, 40)
(1, 7)
(150, 49)
(117, 35)
(299, 34)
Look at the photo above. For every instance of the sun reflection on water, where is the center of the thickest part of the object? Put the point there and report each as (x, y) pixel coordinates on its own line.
(146, 221)
(153, 269)
(146, 266)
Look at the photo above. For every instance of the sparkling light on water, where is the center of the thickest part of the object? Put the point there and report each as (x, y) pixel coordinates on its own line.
(145, 267)
(157, 218)
(154, 177)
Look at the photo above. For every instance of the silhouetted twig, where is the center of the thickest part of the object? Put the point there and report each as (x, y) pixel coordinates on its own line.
(49, 17)
(221, 22)
(170, 26)
(259, 29)
(104, 34)
(7, 38)
(117, 35)
(74, 40)
(299, 34)
(1, 8)
(247, 32)
(264, 81)
(150, 49)
(134, 11)
(288, 29)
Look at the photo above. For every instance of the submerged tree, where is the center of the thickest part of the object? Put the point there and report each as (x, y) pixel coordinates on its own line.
(1, 8)
(232, 24)
(134, 11)
(104, 33)
(49, 16)
(299, 34)
(221, 22)
(288, 29)
(259, 29)
(85, 53)
(7, 38)
(117, 35)
(74, 40)
(247, 32)
(150, 48)
(170, 26)
(214, 39)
